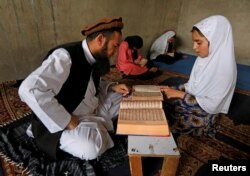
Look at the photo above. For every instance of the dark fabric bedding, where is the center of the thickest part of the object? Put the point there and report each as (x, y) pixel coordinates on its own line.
(22, 149)
(239, 109)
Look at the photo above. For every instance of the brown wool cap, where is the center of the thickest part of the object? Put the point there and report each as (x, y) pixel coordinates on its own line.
(104, 24)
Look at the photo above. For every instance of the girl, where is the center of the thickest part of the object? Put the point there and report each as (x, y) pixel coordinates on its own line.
(130, 61)
(211, 85)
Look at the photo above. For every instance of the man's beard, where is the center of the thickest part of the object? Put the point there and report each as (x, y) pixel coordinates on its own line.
(102, 65)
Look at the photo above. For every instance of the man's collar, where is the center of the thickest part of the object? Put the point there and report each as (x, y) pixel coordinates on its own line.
(91, 60)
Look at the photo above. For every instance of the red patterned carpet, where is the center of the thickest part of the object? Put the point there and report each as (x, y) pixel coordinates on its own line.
(11, 107)
(11, 110)
(230, 142)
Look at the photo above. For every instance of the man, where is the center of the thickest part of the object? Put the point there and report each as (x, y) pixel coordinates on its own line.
(73, 108)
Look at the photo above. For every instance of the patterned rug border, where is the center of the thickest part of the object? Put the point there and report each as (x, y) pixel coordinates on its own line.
(8, 105)
(225, 122)
(188, 165)
(6, 163)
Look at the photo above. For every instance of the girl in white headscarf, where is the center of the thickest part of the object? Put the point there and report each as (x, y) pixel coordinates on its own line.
(211, 85)
(162, 49)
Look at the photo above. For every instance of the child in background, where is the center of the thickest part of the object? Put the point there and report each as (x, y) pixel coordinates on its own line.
(162, 49)
(130, 61)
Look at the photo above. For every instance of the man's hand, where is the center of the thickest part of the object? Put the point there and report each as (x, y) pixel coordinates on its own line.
(172, 93)
(120, 88)
(74, 121)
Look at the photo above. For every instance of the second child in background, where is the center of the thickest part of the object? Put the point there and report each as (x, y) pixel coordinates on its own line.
(130, 61)
(163, 49)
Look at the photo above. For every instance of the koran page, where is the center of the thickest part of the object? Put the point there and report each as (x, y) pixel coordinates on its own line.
(146, 88)
(146, 92)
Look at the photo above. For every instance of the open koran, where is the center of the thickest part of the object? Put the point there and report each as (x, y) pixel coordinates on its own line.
(142, 117)
(146, 92)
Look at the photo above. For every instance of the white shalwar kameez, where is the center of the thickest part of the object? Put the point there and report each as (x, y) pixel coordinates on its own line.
(90, 138)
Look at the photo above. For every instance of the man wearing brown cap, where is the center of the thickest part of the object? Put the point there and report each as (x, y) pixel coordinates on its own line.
(73, 108)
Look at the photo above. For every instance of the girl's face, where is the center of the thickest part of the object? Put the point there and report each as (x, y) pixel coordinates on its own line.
(200, 44)
(171, 40)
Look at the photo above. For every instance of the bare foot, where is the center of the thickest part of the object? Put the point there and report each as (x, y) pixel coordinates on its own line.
(153, 69)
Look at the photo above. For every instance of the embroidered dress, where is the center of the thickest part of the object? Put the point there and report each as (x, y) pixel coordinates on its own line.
(186, 116)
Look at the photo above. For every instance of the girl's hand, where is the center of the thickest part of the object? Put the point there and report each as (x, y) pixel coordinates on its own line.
(172, 93)
(143, 62)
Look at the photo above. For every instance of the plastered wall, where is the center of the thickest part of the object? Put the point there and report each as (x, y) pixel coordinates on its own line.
(29, 28)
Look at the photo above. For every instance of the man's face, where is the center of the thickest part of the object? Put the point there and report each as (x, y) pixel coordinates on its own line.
(200, 44)
(108, 49)
(113, 44)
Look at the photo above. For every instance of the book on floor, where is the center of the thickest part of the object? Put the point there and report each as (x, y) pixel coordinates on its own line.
(142, 114)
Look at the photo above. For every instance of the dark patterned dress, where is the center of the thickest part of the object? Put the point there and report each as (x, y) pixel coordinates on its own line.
(186, 116)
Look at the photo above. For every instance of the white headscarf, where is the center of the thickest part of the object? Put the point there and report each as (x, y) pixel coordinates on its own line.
(160, 45)
(213, 78)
